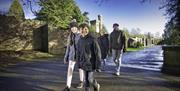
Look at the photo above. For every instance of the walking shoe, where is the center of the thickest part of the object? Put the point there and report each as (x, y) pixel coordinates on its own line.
(116, 62)
(66, 89)
(97, 88)
(80, 85)
(98, 70)
(117, 73)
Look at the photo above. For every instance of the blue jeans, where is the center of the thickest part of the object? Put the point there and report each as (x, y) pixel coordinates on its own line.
(117, 57)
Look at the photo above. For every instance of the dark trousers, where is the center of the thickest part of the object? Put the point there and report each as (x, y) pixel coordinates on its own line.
(99, 63)
(89, 80)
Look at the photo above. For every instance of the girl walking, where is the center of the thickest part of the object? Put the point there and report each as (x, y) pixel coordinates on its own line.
(70, 56)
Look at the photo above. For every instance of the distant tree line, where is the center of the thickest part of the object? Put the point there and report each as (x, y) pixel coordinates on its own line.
(171, 34)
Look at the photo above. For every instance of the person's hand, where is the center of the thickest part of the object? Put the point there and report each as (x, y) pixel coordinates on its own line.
(65, 61)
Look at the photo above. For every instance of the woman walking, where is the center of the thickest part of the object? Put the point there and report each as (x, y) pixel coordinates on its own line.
(103, 41)
(70, 56)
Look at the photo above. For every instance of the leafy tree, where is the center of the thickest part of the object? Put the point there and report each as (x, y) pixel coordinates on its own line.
(59, 12)
(77, 14)
(172, 28)
(136, 33)
(16, 10)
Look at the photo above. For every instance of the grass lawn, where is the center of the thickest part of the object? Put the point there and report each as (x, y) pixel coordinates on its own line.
(134, 49)
(13, 57)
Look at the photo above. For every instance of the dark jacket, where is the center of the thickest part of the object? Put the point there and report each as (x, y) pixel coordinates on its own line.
(88, 53)
(104, 45)
(71, 49)
(117, 39)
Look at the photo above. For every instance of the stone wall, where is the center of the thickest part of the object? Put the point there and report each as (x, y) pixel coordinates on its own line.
(15, 34)
(50, 39)
(171, 60)
(57, 39)
(19, 35)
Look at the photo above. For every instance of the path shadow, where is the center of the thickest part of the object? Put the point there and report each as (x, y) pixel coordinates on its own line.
(46, 76)
(51, 76)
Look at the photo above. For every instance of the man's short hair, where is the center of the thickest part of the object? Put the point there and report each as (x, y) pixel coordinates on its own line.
(115, 24)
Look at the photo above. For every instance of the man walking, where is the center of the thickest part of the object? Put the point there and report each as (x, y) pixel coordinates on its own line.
(117, 45)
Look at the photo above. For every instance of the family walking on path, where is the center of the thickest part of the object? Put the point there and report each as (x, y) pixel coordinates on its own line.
(89, 52)
(140, 72)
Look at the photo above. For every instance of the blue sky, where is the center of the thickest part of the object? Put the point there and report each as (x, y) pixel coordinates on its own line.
(5, 5)
(128, 13)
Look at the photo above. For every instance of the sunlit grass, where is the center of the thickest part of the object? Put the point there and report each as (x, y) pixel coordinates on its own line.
(13, 57)
(134, 49)
(36, 55)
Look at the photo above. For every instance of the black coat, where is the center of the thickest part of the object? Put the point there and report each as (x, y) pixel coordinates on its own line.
(117, 40)
(104, 45)
(88, 53)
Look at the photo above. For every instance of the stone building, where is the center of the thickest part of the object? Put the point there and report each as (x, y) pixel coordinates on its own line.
(98, 23)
